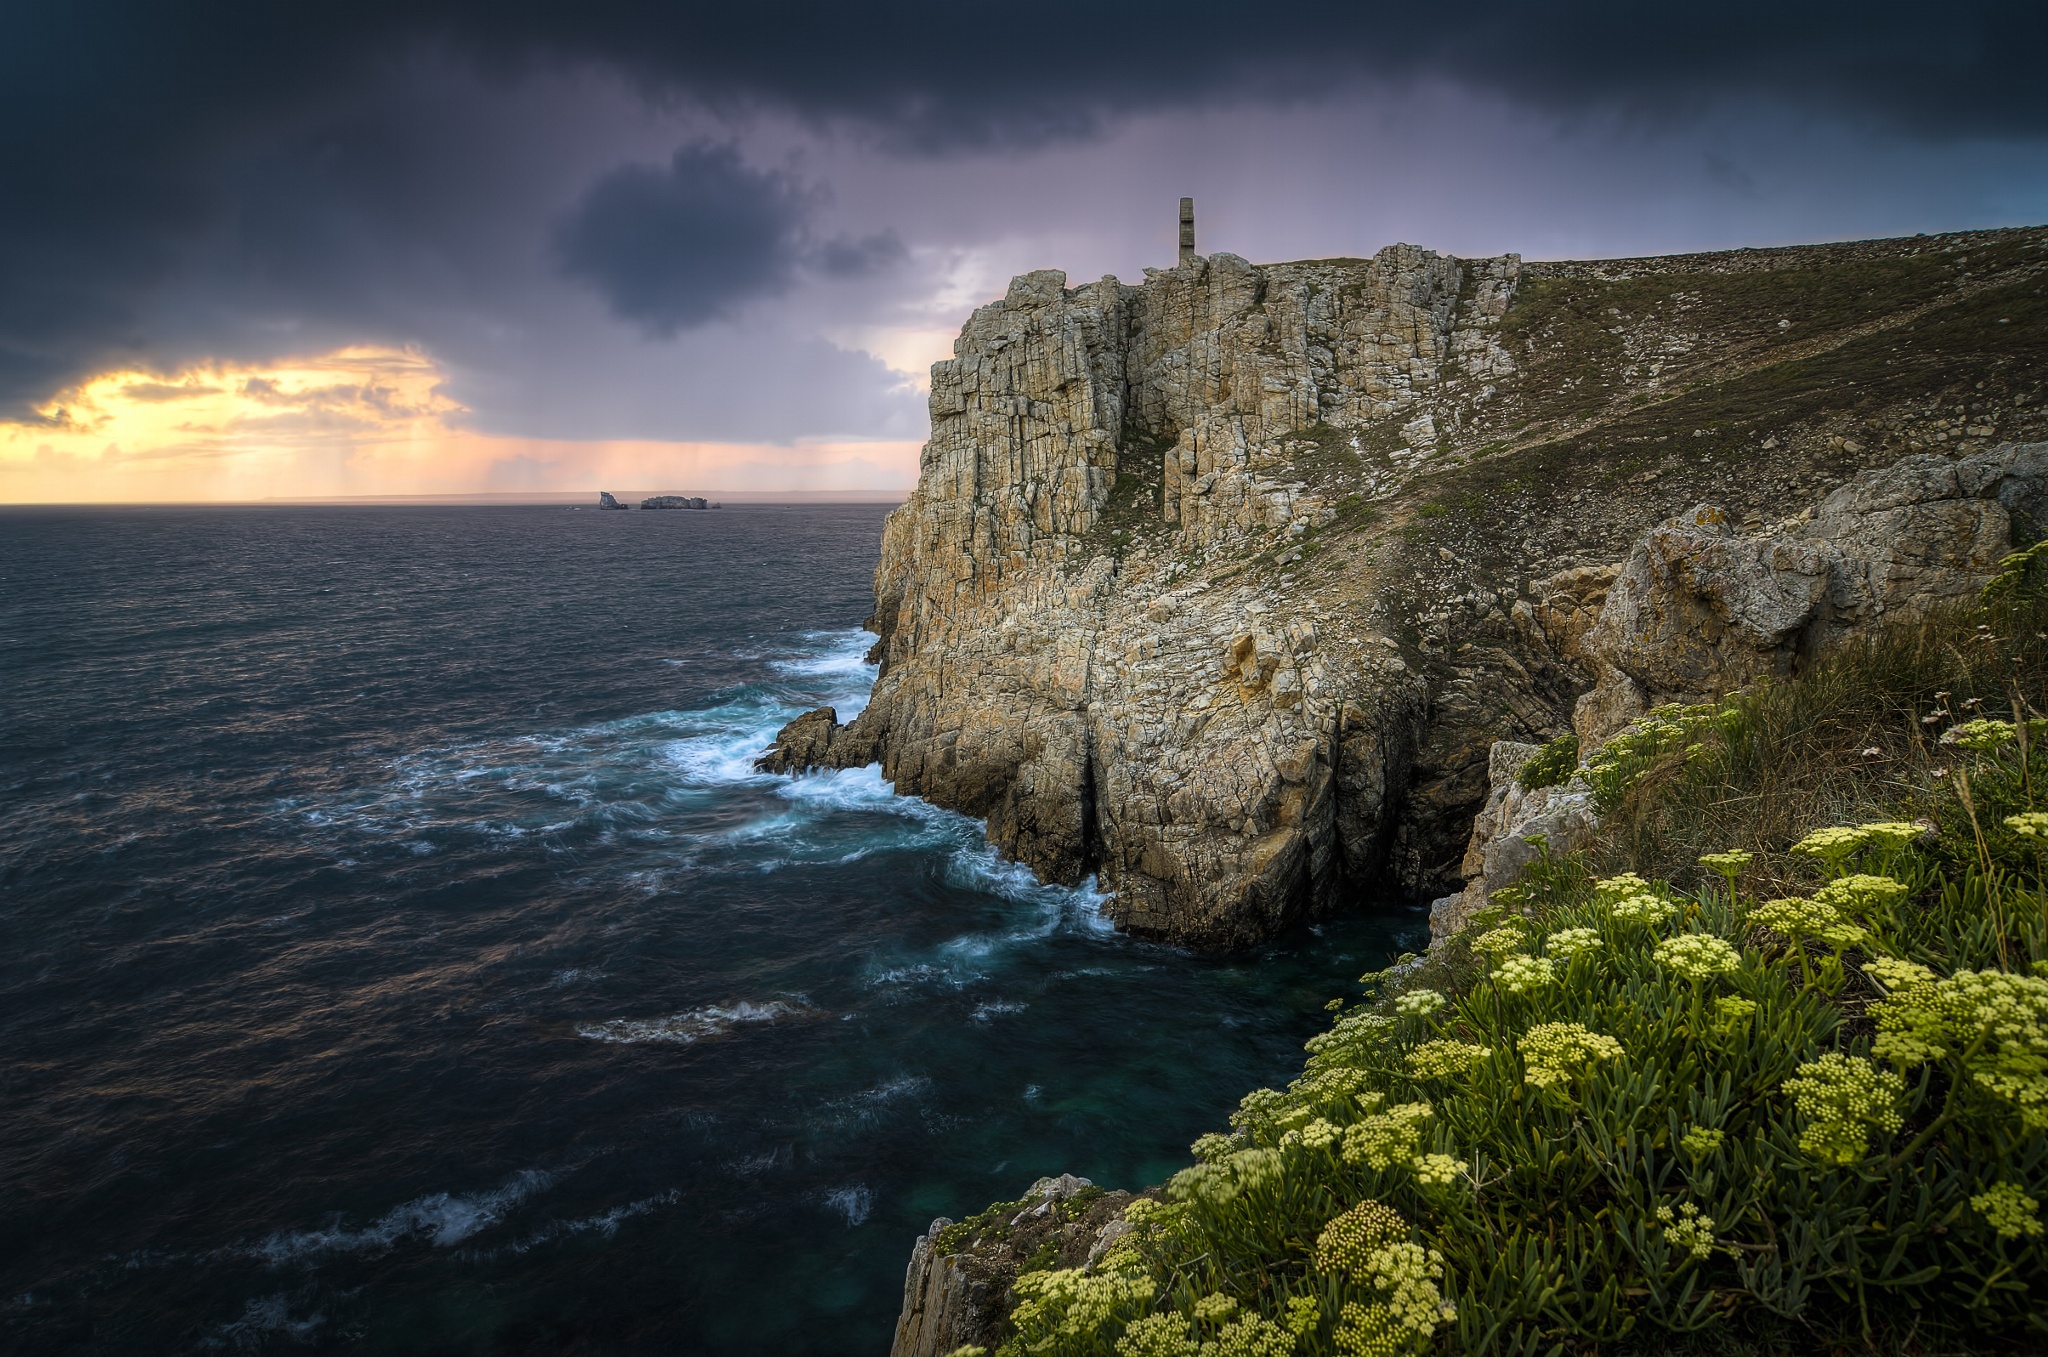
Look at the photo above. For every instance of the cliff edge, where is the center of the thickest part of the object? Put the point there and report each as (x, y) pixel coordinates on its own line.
(1223, 586)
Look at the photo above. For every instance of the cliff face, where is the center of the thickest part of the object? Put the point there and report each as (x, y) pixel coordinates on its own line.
(1223, 586)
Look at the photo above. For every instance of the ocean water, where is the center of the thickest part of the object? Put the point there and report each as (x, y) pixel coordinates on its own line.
(401, 955)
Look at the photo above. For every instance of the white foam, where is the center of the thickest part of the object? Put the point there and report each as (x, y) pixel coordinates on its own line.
(713, 1020)
(866, 1108)
(262, 1317)
(604, 1223)
(995, 1008)
(856, 1203)
(442, 1220)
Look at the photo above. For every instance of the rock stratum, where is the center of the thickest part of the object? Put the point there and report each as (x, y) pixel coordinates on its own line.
(1224, 586)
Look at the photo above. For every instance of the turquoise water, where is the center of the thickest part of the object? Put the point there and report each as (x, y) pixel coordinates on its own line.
(403, 956)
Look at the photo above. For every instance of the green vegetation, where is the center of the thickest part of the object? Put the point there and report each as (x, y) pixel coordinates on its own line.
(1790, 1095)
(1551, 765)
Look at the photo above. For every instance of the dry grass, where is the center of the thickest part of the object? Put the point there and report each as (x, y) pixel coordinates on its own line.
(1853, 739)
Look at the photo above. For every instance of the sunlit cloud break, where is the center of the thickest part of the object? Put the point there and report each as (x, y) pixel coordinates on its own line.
(367, 420)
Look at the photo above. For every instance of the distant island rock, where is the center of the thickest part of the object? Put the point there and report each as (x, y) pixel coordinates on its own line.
(605, 501)
(674, 502)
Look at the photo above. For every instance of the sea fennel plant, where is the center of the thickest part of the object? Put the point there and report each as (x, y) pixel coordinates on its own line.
(1632, 1115)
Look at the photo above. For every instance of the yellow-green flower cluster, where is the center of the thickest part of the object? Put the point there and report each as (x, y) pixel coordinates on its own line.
(1327, 1085)
(1348, 1240)
(1731, 1011)
(1214, 1309)
(1567, 943)
(1317, 1135)
(1832, 845)
(1212, 1145)
(1642, 908)
(1438, 1170)
(1609, 889)
(1890, 835)
(1252, 1336)
(1160, 1335)
(1261, 1108)
(1728, 863)
(1994, 1021)
(1167, 1335)
(1404, 1273)
(1982, 734)
(1701, 1141)
(1687, 1229)
(1554, 1051)
(1844, 1098)
(1216, 1183)
(1358, 1030)
(1522, 974)
(1386, 1138)
(1067, 1307)
(1698, 957)
(1369, 1244)
(1369, 1331)
(2032, 824)
(1445, 1059)
(1502, 941)
(1797, 918)
(2009, 1210)
(1897, 974)
(1419, 1003)
(1860, 892)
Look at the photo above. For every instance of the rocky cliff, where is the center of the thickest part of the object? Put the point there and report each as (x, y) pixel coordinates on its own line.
(1224, 586)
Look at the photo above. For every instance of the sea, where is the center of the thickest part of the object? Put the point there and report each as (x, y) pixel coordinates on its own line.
(399, 952)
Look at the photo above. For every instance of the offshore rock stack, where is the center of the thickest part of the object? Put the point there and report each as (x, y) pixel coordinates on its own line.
(1224, 586)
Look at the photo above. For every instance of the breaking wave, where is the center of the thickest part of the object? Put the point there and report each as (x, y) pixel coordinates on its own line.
(713, 1020)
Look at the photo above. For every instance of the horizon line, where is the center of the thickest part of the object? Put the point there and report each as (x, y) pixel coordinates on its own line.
(571, 498)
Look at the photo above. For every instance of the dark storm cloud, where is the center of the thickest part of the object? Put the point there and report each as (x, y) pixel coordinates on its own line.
(669, 247)
(681, 244)
(144, 145)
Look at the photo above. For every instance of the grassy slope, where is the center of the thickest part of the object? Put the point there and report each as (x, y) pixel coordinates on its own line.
(1548, 1234)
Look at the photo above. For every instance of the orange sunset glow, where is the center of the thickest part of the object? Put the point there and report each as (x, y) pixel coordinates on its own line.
(366, 421)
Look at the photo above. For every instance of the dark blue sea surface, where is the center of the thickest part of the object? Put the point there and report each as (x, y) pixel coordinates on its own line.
(401, 955)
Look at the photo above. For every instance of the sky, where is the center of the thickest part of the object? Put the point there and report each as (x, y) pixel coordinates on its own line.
(430, 247)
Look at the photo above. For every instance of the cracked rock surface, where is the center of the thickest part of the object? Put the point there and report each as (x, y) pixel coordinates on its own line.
(1224, 586)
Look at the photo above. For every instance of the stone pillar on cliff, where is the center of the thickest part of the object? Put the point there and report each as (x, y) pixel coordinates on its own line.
(1187, 229)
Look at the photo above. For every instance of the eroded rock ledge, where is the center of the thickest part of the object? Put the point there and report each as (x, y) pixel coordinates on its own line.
(1224, 586)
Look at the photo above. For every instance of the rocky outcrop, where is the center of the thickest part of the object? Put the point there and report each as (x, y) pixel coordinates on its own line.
(1506, 831)
(1190, 737)
(956, 1290)
(606, 500)
(1699, 609)
(943, 1307)
(675, 502)
(1223, 587)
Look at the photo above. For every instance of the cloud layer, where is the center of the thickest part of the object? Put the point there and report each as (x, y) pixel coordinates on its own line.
(622, 219)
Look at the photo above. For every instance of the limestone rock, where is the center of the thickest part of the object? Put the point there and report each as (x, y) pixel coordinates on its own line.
(816, 740)
(943, 1307)
(1221, 786)
(1499, 850)
(1104, 628)
(959, 1297)
(1699, 609)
